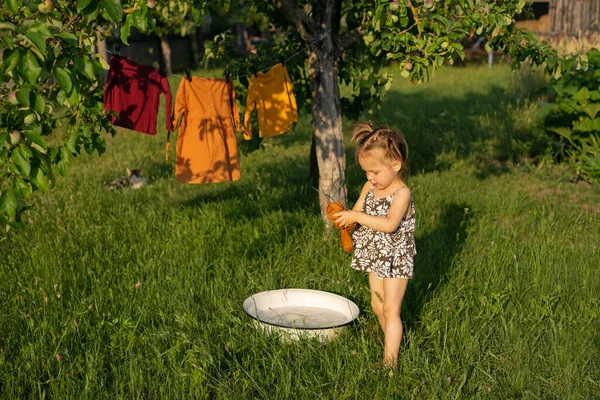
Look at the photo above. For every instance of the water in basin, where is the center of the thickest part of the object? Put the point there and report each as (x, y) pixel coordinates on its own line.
(303, 317)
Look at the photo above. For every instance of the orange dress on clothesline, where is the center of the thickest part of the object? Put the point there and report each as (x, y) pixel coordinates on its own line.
(207, 149)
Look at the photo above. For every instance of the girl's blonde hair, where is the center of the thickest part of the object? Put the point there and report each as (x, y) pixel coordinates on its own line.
(389, 140)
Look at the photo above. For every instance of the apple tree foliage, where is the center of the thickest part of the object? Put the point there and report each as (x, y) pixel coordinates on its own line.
(51, 105)
(51, 99)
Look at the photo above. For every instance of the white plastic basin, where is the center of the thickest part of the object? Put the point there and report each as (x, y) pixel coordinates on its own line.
(301, 313)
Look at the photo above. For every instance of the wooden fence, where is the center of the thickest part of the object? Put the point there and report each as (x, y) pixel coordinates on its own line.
(566, 18)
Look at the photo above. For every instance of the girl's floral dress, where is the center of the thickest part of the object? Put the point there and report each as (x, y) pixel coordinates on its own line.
(389, 255)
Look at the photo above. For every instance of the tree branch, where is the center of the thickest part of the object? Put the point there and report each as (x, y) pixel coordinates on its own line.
(71, 20)
(303, 23)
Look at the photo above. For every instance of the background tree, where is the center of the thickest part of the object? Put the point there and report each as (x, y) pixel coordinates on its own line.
(52, 107)
(172, 18)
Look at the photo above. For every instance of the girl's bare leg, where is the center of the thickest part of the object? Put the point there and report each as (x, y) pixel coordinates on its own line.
(393, 293)
(377, 299)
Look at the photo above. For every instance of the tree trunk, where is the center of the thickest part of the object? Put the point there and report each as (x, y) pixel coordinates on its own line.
(166, 53)
(319, 29)
(327, 127)
(101, 50)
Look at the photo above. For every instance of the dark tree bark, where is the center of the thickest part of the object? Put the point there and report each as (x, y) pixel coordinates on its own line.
(320, 31)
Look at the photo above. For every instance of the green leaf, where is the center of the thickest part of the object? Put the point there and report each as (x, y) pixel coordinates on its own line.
(113, 9)
(39, 104)
(8, 204)
(39, 179)
(564, 132)
(85, 67)
(139, 20)
(7, 25)
(585, 125)
(37, 40)
(126, 29)
(22, 188)
(82, 4)
(34, 135)
(11, 61)
(31, 100)
(74, 97)
(591, 110)
(8, 41)
(197, 15)
(63, 77)
(43, 28)
(69, 38)
(582, 95)
(99, 143)
(72, 142)
(91, 12)
(65, 160)
(61, 97)
(52, 152)
(24, 97)
(20, 159)
(30, 68)
(12, 5)
(103, 62)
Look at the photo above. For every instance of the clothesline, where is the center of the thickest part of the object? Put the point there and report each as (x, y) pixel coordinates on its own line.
(264, 69)
(287, 59)
(205, 114)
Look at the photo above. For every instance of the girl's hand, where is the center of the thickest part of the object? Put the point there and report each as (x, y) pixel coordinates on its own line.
(345, 218)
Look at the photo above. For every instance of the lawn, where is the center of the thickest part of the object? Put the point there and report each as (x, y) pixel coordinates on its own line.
(138, 294)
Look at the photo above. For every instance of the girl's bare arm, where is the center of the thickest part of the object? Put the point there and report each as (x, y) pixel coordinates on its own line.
(358, 206)
(389, 223)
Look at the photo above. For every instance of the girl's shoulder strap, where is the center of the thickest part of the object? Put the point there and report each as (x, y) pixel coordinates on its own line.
(400, 188)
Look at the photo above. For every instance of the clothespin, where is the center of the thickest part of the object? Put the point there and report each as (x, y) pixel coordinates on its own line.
(117, 49)
(282, 60)
(188, 75)
(227, 76)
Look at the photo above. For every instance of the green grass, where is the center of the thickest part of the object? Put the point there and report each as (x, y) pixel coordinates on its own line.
(139, 293)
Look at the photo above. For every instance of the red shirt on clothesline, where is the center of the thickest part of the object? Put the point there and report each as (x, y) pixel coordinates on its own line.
(133, 92)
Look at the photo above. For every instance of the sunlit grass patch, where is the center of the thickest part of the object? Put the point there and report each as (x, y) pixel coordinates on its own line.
(138, 293)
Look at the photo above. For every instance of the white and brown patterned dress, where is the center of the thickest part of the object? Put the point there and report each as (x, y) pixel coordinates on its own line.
(389, 255)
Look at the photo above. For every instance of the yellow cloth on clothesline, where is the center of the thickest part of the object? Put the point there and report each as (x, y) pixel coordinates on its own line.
(272, 96)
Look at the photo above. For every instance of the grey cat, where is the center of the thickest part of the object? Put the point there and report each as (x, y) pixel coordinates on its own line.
(135, 179)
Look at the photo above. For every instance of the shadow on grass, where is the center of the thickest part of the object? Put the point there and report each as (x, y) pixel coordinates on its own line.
(432, 264)
(278, 185)
(442, 128)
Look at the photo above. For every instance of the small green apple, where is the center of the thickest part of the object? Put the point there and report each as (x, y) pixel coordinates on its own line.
(15, 137)
(46, 6)
(12, 97)
(30, 119)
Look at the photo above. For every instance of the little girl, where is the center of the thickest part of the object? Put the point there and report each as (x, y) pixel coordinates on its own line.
(383, 240)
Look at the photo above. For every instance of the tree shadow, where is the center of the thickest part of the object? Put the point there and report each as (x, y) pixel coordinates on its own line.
(277, 185)
(436, 251)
